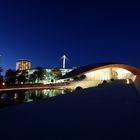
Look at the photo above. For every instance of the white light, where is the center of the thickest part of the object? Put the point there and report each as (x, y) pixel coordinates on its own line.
(128, 82)
(104, 74)
(134, 78)
(44, 82)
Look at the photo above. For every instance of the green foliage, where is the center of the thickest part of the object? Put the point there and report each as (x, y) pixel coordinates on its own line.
(38, 74)
(33, 77)
(21, 76)
(10, 77)
(41, 73)
(1, 79)
(56, 72)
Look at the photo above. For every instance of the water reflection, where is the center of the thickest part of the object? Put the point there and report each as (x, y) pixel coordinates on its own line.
(16, 97)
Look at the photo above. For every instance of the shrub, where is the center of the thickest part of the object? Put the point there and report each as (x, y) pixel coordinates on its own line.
(78, 88)
(104, 82)
(112, 80)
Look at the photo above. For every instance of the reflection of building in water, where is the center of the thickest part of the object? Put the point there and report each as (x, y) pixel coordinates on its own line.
(31, 95)
(16, 97)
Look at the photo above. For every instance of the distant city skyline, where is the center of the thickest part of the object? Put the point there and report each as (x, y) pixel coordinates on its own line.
(87, 32)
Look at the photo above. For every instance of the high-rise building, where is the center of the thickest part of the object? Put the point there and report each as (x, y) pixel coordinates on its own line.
(23, 64)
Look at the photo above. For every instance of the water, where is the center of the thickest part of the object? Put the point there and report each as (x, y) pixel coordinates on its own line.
(8, 98)
(110, 112)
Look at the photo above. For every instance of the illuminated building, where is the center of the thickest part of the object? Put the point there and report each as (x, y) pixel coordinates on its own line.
(95, 74)
(49, 77)
(23, 64)
(105, 71)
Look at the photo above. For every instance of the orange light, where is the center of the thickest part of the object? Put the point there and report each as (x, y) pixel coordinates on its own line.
(3, 83)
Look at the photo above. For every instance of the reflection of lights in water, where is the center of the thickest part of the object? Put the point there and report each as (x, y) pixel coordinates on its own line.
(30, 95)
(27, 98)
(62, 92)
(52, 93)
(3, 96)
(15, 96)
(45, 92)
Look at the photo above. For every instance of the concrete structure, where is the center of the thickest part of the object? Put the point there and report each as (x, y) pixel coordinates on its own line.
(97, 73)
(23, 64)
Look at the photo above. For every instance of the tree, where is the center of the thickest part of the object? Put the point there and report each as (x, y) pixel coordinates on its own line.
(40, 73)
(10, 77)
(33, 77)
(22, 77)
(1, 79)
(56, 72)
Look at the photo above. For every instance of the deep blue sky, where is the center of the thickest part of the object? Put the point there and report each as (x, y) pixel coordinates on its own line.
(87, 32)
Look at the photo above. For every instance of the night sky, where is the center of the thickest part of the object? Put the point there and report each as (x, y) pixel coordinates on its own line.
(87, 32)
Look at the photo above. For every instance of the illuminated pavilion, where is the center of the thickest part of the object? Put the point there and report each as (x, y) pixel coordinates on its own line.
(97, 73)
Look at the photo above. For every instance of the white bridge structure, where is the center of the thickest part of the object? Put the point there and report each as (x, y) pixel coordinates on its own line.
(64, 58)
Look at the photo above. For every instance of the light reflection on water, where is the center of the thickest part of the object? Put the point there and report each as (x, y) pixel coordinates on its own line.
(15, 97)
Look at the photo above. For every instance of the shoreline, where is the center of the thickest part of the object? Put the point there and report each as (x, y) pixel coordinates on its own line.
(32, 87)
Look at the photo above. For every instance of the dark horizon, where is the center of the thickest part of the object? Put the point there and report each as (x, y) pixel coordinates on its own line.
(87, 32)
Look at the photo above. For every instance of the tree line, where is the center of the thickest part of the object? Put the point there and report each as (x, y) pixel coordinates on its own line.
(39, 74)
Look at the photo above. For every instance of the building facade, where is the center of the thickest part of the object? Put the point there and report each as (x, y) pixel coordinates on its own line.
(96, 74)
(23, 64)
(50, 75)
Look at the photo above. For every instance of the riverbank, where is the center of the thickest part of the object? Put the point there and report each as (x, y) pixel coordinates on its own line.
(35, 86)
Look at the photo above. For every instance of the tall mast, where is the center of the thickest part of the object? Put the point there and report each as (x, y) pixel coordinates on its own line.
(64, 61)
(64, 58)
